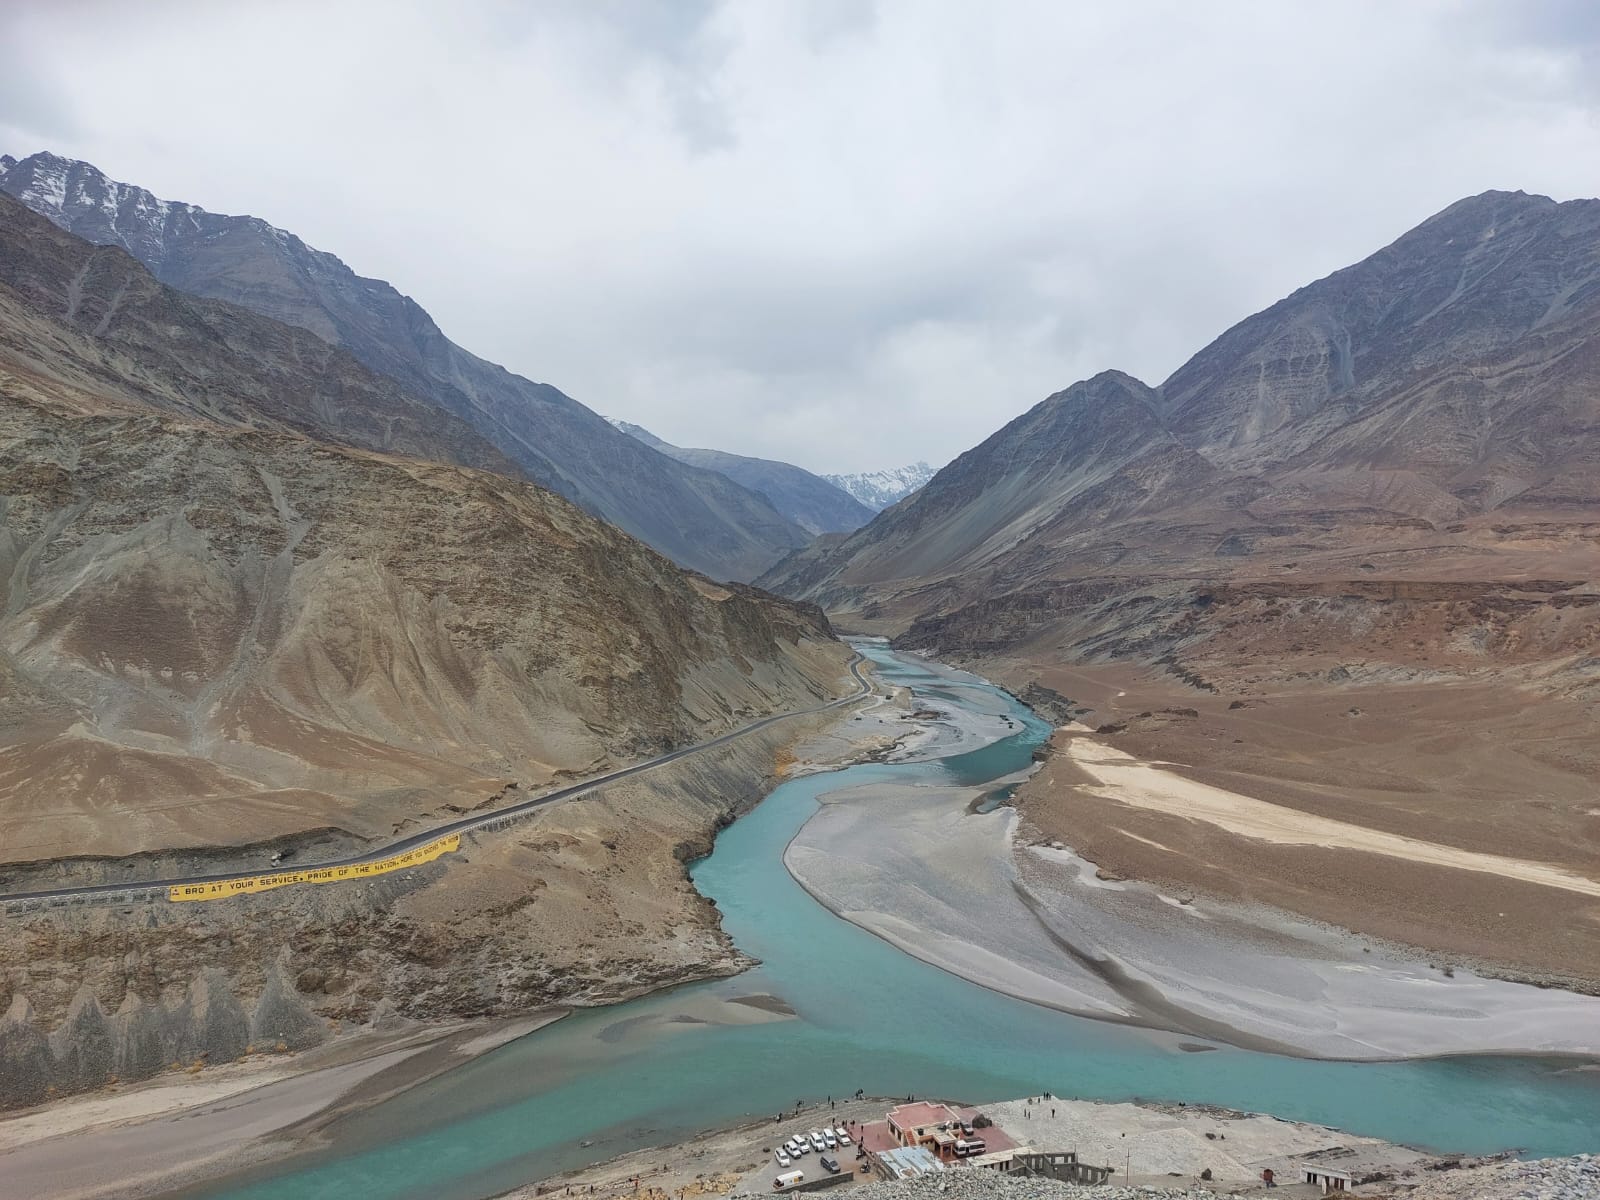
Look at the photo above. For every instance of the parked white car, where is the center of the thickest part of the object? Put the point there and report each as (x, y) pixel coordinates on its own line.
(844, 1138)
(817, 1143)
(830, 1140)
(783, 1159)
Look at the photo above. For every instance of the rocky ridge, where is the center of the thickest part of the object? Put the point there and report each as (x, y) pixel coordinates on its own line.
(1426, 415)
(810, 501)
(699, 518)
(879, 489)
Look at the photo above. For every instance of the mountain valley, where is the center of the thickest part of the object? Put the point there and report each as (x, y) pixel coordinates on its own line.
(1315, 620)
(1353, 538)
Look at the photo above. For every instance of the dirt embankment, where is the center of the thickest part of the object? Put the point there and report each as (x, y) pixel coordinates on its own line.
(587, 902)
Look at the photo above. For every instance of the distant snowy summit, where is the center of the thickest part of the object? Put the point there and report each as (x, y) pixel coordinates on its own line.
(879, 489)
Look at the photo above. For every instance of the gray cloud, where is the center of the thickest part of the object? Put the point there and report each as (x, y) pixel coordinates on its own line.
(839, 233)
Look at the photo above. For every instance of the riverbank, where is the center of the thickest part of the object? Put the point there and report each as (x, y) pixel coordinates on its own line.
(150, 1138)
(1218, 1150)
(924, 869)
(896, 726)
(663, 1068)
(1455, 815)
(562, 886)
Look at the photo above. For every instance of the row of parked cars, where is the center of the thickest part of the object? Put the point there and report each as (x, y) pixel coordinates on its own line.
(822, 1140)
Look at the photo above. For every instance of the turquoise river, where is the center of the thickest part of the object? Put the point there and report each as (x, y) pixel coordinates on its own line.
(605, 1081)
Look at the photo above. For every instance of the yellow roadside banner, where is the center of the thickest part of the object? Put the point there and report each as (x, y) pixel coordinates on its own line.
(224, 888)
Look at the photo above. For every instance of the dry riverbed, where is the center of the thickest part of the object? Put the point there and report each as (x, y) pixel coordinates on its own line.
(923, 868)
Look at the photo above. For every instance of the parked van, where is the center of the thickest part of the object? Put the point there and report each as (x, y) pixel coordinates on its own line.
(830, 1164)
(787, 1180)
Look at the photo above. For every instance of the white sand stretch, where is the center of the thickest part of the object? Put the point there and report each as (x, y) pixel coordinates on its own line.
(1121, 777)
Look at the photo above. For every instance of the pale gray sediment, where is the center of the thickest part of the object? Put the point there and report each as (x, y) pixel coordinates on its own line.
(1037, 923)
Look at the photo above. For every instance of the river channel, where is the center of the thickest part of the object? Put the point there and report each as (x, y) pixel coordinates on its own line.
(606, 1081)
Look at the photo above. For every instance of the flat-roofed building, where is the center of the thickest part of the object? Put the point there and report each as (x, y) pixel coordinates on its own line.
(907, 1162)
(1329, 1179)
(914, 1124)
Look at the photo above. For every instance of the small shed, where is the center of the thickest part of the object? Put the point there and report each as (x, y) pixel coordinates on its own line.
(1329, 1179)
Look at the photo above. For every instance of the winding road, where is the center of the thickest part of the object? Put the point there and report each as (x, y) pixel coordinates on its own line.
(460, 825)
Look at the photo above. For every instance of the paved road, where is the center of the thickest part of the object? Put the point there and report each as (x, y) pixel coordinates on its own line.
(463, 824)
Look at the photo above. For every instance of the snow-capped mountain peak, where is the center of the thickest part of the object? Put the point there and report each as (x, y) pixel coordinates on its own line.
(879, 489)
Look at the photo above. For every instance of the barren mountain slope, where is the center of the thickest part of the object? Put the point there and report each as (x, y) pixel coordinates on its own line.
(217, 636)
(217, 631)
(699, 518)
(94, 317)
(1431, 413)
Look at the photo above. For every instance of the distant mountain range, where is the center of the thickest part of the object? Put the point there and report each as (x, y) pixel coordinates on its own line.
(1429, 414)
(810, 501)
(879, 489)
(696, 516)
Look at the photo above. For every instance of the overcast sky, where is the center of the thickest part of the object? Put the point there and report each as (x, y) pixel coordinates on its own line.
(841, 233)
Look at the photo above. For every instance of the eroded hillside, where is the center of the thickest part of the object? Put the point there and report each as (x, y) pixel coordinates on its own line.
(222, 636)
(224, 641)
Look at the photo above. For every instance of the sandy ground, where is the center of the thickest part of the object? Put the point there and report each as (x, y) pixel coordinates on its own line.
(1039, 922)
(913, 866)
(1459, 818)
(1156, 1144)
(1153, 1143)
(735, 1159)
(1122, 777)
(159, 1135)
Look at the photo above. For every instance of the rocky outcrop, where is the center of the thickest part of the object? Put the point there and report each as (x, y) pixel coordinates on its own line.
(27, 1067)
(141, 1038)
(281, 1019)
(84, 1047)
(204, 1024)
(211, 1025)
